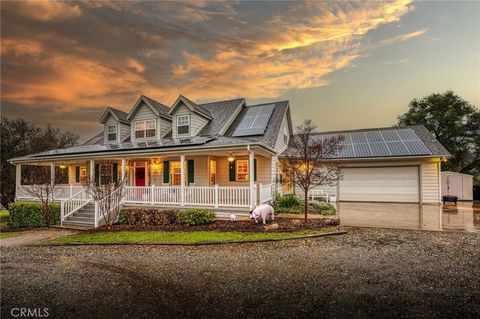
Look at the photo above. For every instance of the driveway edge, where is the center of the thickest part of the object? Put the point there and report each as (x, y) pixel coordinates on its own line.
(340, 231)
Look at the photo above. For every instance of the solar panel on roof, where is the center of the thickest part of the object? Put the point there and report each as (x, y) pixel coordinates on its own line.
(255, 120)
(382, 143)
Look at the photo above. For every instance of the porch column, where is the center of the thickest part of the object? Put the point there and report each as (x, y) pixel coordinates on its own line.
(52, 173)
(124, 168)
(18, 178)
(182, 179)
(251, 178)
(92, 172)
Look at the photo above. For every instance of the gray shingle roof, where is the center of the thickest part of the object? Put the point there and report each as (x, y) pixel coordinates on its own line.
(198, 108)
(122, 116)
(221, 112)
(161, 108)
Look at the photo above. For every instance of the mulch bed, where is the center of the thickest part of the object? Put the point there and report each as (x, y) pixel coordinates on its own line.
(279, 225)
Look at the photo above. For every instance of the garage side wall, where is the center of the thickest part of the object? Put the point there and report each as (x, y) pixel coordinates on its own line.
(430, 183)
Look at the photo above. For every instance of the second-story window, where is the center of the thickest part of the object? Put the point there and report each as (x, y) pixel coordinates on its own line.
(112, 132)
(285, 134)
(183, 124)
(145, 129)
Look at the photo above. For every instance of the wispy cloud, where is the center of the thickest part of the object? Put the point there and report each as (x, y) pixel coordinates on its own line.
(396, 61)
(89, 54)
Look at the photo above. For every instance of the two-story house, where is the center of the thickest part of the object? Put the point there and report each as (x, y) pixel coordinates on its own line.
(225, 155)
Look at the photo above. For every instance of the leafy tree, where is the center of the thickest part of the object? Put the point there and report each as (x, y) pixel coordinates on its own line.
(19, 138)
(306, 157)
(455, 123)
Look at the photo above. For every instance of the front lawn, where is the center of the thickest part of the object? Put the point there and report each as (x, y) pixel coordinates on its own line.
(180, 236)
(4, 235)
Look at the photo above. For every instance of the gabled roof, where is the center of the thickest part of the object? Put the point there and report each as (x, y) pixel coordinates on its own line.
(120, 116)
(223, 114)
(192, 106)
(272, 130)
(158, 108)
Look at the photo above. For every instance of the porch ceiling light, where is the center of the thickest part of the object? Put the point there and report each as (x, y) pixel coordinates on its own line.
(63, 166)
(231, 158)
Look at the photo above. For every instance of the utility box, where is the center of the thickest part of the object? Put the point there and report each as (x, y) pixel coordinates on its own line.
(457, 184)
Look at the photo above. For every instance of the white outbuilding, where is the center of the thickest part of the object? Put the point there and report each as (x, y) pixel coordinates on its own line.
(457, 184)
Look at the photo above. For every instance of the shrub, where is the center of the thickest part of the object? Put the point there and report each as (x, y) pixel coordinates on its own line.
(196, 216)
(123, 217)
(30, 215)
(322, 207)
(148, 216)
(288, 201)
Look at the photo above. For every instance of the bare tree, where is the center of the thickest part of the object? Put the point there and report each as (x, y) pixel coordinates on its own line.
(107, 194)
(39, 185)
(307, 158)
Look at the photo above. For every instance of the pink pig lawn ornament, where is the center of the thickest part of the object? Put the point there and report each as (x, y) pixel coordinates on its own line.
(263, 212)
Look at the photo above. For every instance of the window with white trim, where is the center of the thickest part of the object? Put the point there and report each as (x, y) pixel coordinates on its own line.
(112, 132)
(145, 128)
(242, 170)
(285, 134)
(183, 124)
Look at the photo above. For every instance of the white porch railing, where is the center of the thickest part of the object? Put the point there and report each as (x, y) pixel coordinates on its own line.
(266, 193)
(73, 204)
(206, 196)
(116, 199)
(60, 192)
(201, 196)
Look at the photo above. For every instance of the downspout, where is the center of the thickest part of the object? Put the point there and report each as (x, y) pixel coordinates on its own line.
(251, 178)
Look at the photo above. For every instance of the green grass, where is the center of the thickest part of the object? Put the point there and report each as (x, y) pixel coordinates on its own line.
(4, 217)
(176, 237)
(8, 234)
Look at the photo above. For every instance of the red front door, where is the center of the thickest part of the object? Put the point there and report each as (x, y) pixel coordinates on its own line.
(140, 176)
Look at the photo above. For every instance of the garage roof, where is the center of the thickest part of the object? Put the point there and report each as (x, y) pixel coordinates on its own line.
(405, 141)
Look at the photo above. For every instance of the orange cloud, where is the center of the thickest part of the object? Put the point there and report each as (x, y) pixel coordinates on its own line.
(46, 10)
(157, 51)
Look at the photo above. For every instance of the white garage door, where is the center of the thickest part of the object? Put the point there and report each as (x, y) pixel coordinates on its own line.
(379, 184)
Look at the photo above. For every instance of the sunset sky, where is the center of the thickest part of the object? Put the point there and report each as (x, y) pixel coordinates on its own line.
(342, 64)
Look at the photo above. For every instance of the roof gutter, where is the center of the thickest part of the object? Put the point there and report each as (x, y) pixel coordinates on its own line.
(141, 152)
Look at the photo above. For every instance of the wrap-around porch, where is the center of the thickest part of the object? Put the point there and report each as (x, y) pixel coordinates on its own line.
(219, 180)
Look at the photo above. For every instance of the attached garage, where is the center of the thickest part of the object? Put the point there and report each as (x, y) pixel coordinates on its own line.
(380, 184)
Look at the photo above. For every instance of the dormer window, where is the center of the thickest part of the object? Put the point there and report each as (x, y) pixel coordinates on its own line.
(112, 132)
(145, 129)
(285, 134)
(183, 124)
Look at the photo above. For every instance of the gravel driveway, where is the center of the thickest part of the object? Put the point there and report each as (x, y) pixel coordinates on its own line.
(368, 272)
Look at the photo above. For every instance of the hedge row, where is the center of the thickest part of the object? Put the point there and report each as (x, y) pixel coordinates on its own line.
(30, 215)
(159, 217)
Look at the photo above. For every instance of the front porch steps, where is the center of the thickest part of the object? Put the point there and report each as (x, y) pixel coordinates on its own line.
(84, 217)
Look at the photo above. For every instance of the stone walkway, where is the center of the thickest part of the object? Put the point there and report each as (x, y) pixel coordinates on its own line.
(35, 236)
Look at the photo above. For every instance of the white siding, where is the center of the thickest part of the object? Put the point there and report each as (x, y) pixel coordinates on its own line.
(124, 131)
(165, 126)
(264, 171)
(197, 122)
(110, 121)
(430, 183)
(280, 144)
(456, 184)
(145, 113)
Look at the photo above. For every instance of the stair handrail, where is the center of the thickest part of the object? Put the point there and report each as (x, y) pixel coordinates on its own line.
(117, 195)
(73, 204)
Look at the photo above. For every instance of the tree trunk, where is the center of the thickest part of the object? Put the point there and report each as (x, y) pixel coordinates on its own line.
(305, 207)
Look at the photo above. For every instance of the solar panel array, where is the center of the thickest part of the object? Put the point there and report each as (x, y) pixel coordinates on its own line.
(255, 120)
(381, 143)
